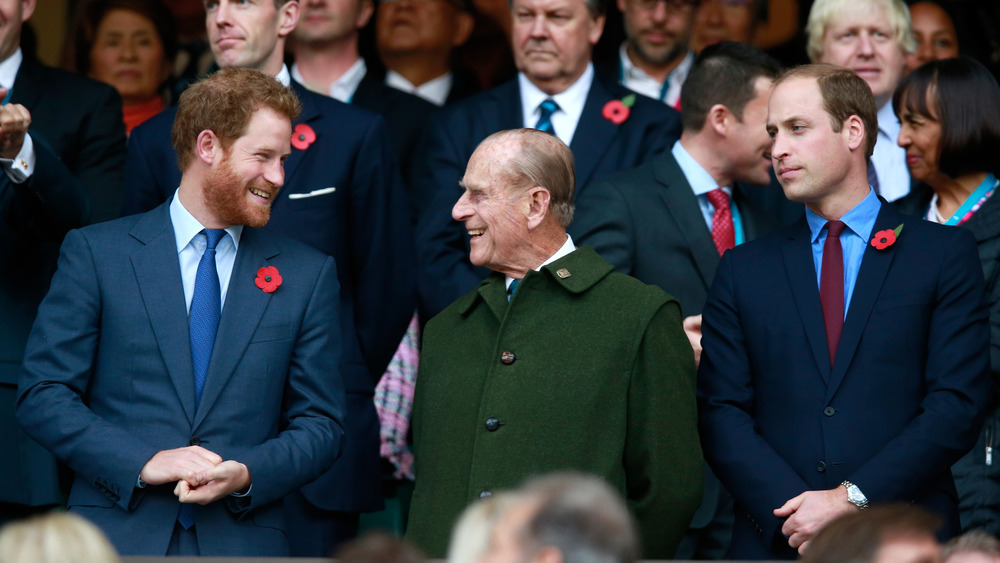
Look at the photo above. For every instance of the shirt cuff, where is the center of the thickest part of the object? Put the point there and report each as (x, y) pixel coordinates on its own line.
(23, 165)
(246, 494)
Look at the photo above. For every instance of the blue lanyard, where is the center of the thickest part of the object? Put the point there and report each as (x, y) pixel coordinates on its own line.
(988, 183)
(6, 99)
(663, 89)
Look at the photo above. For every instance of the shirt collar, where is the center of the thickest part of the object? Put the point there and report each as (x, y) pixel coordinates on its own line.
(629, 69)
(888, 123)
(860, 220)
(565, 249)
(284, 76)
(343, 88)
(570, 100)
(9, 68)
(434, 91)
(186, 227)
(700, 180)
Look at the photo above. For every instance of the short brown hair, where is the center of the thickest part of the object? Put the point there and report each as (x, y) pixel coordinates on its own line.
(224, 103)
(844, 94)
(542, 160)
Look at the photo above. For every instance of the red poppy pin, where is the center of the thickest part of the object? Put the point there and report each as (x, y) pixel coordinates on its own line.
(268, 279)
(885, 239)
(617, 111)
(303, 136)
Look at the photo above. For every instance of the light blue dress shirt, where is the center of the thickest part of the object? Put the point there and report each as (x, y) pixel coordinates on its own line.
(701, 183)
(854, 240)
(191, 245)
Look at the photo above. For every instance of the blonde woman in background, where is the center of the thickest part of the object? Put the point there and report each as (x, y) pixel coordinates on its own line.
(56, 537)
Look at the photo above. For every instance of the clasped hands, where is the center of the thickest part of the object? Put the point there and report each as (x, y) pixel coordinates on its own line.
(809, 512)
(201, 475)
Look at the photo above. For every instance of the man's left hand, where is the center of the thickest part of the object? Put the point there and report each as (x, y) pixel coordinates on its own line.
(222, 480)
(807, 514)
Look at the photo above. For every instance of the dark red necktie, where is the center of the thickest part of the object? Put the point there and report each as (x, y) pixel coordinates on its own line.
(723, 233)
(831, 285)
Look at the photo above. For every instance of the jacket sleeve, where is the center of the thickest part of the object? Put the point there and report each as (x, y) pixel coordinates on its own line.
(662, 454)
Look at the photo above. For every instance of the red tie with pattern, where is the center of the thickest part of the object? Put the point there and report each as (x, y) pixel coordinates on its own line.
(831, 285)
(723, 232)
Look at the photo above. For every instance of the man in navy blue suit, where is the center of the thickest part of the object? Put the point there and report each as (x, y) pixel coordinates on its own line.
(846, 358)
(343, 196)
(608, 127)
(185, 357)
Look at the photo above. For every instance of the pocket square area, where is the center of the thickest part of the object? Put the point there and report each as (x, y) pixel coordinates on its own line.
(313, 193)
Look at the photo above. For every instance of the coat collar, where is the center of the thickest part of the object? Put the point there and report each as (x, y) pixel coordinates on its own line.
(574, 273)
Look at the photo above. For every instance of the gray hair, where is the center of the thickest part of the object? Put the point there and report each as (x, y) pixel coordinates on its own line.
(975, 541)
(823, 13)
(581, 516)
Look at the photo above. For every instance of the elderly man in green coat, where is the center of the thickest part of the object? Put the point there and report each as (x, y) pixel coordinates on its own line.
(553, 363)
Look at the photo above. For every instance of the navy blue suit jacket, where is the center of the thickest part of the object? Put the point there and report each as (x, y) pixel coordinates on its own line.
(903, 400)
(108, 382)
(79, 143)
(599, 148)
(363, 223)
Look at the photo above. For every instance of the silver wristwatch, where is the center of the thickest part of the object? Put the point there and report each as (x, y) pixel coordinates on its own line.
(855, 496)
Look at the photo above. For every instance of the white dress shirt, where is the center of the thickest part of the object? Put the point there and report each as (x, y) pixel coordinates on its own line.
(889, 158)
(570, 100)
(434, 91)
(636, 79)
(343, 88)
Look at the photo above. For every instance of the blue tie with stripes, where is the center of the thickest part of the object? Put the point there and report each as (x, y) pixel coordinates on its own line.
(546, 108)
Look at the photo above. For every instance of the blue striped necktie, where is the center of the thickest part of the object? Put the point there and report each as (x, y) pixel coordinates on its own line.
(546, 108)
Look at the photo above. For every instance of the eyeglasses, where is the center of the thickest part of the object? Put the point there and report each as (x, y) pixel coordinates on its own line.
(675, 6)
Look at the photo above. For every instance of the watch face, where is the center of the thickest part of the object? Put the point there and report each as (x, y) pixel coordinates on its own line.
(855, 495)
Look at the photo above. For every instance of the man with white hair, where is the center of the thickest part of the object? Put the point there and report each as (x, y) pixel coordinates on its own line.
(872, 38)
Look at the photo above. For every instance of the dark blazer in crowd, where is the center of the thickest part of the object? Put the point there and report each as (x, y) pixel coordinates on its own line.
(599, 146)
(978, 483)
(108, 382)
(647, 223)
(903, 400)
(79, 143)
(343, 196)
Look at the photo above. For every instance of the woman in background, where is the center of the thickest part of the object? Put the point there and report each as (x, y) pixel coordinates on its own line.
(129, 44)
(949, 111)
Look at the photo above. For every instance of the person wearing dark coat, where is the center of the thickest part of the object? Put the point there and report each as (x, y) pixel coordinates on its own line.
(951, 133)
(553, 362)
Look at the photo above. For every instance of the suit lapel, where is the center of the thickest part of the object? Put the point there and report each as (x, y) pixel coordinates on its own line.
(801, 272)
(593, 134)
(502, 109)
(158, 274)
(28, 86)
(874, 268)
(682, 206)
(310, 112)
(244, 307)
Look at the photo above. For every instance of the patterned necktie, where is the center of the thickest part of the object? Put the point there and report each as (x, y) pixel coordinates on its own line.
(723, 233)
(203, 322)
(831, 285)
(546, 108)
(206, 308)
(514, 284)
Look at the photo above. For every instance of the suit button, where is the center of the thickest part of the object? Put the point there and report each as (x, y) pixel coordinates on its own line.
(492, 424)
(821, 466)
(507, 358)
(485, 494)
(194, 441)
(829, 411)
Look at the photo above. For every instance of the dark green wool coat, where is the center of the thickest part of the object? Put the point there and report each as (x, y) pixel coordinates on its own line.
(584, 370)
